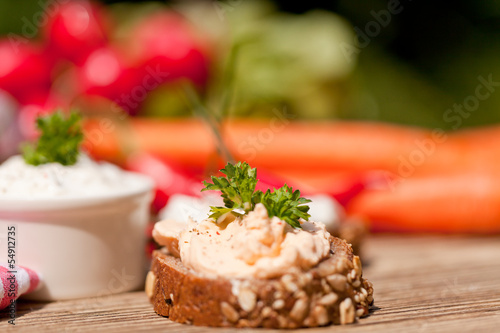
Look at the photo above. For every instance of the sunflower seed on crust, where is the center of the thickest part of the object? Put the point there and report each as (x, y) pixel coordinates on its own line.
(299, 310)
(150, 282)
(337, 282)
(266, 312)
(278, 304)
(328, 299)
(321, 315)
(326, 268)
(347, 312)
(247, 299)
(357, 265)
(229, 312)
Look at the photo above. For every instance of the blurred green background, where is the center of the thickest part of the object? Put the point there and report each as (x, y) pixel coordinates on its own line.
(426, 59)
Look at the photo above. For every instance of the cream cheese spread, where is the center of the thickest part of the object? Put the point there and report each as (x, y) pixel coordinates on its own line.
(254, 245)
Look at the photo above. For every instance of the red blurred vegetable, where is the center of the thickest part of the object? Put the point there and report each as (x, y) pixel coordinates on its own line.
(105, 73)
(76, 29)
(24, 70)
(169, 178)
(165, 44)
(268, 180)
(342, 186)
(161, 48)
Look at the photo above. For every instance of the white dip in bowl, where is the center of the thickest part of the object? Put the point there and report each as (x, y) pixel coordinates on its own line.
(81, 227)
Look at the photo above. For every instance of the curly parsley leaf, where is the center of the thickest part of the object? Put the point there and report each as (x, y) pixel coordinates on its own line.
(238, 191)
(59, 141)
(286, 204)
(237, 188)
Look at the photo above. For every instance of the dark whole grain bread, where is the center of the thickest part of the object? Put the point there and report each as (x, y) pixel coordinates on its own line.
(332, 292)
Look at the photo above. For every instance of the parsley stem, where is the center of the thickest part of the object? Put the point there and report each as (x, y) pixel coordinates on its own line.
(228, 83)
(215, 126)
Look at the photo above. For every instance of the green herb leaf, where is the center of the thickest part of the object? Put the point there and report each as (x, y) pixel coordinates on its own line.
(238, 191)
(217, 212)
(59, 141)
(286, 204)
(237, 188)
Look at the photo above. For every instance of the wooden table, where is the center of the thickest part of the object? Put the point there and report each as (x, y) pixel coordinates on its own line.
(422, 284)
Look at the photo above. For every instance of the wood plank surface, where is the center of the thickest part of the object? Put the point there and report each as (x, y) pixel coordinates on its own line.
(421, 283)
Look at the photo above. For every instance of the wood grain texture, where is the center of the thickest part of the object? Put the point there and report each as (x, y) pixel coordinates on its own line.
(422, 284)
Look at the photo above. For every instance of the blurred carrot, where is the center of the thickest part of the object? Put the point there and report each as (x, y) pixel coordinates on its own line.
(269, 144)
(354, 146)
(185, 141)
(466, 203)
(477, 149)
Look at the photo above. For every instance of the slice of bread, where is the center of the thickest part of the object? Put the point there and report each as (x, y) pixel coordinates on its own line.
(332, 292)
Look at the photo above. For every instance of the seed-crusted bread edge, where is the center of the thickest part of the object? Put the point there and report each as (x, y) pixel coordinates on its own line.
(332, 292)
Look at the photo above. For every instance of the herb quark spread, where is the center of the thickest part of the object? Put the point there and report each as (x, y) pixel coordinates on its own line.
(86, 178)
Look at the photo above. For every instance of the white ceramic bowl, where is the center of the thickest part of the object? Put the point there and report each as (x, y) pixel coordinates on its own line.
(82, 247)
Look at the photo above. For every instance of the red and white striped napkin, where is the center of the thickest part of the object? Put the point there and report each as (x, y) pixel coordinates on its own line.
(16, 282)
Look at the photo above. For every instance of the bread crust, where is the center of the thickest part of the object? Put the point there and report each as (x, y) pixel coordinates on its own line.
(332, 292)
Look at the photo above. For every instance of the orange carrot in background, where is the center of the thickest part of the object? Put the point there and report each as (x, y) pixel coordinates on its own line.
(467, 203)
(354, 146)
(186, 141)
(189, 142)
(303, 147)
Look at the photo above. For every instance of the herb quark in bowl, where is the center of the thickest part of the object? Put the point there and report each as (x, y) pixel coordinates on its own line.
(79, 222)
